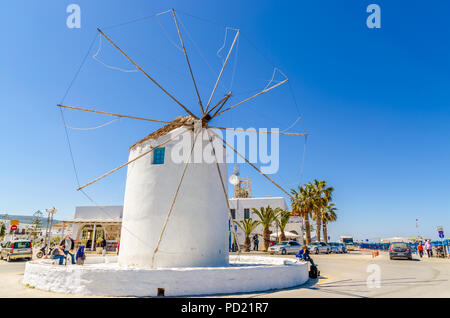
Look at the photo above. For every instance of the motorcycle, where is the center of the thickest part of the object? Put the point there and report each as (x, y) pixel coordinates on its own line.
(42, 252)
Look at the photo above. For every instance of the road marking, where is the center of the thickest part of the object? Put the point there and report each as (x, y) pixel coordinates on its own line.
(321, 281)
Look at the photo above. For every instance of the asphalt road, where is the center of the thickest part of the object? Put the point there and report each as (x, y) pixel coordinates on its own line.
(347, 275)
(342, 275)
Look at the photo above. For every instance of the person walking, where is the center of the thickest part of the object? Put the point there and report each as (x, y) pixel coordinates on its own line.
(420, 249)
(429, 248)
(68, 244)
(255, 242)
(118, 247)
(103, 245)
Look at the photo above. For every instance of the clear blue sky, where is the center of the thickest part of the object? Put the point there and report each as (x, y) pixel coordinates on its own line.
(375, 101)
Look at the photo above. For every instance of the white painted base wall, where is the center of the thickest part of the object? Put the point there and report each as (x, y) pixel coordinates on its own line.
(247, 274)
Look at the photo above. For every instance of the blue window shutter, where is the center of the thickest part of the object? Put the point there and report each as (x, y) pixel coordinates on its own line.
(158, 156)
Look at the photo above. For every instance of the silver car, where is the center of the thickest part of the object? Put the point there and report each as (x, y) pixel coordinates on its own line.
(337, 247)
(319, 247)
(16, 249)
(285, 247)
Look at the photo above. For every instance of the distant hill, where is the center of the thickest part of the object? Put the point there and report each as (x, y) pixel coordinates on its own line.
(28, 219)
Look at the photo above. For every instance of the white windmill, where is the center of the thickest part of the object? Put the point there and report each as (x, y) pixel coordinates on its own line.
(175, 215)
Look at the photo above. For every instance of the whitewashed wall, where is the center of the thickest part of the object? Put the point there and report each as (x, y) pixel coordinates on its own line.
(197, 232)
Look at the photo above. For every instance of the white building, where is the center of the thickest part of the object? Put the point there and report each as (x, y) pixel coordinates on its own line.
(241, 208)
(94, 222)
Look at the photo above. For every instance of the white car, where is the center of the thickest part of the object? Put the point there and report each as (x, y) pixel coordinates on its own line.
(285, 247)
(319, 247)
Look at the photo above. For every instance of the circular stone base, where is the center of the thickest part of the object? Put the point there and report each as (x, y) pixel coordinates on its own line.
(103, 276)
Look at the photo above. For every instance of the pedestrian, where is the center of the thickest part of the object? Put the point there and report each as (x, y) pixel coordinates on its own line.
(429, 248)
(255, 242)
(57, 253)
(118, 246)
(80, 255)
(103, 245)
(420, 249)
(68, 245)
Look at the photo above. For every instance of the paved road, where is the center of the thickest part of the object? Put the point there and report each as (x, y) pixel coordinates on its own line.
(341, 276)
(346, 276)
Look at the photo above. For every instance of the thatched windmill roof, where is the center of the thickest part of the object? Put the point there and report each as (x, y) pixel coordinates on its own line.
(176, 123)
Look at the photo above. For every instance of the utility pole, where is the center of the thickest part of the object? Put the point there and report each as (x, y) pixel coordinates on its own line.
(49, 225)
(417, 228)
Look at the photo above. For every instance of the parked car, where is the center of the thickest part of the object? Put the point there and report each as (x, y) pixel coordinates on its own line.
(285, 247)
(16, 249)
(319, 247)
(400, 250)
(337, 247)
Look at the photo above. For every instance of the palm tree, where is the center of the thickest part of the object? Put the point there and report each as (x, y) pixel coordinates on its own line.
(302, 203)
(322, 197)
(266, 218)
(247, 226)
(328, 216)
(282, 220)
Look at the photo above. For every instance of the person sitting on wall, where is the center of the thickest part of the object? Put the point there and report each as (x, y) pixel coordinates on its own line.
(68, 245)
(303, 254)
(58, 253)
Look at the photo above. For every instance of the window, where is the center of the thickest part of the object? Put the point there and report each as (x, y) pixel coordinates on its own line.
(246, 213)
(233, 213)
(158, 156)
(22, 245)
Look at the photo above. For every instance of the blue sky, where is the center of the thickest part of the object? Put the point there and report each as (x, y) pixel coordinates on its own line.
(374, 101)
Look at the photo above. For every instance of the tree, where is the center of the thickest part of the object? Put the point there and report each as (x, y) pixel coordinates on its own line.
(247, 226)
(36, 224)
(282, 220)
(322, 197)
(328, 216)
(266, 218)
(302, 203)
(2, 230)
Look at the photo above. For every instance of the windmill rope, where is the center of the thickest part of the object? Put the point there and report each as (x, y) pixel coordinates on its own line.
(62, 113)
(275, 69)
(224, 43)
(225, 193)
(165, 31)
(93, 128)
(200, 52)
(107, 65)
(173, 201)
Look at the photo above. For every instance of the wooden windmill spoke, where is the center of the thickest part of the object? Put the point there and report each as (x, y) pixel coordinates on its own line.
(221, 103)
(224, 192)
(250, 98)
(221, 71)
(151, 78)
(259, 132)
(127, 163)
(251, 164)
(112, 114)
(187, 60)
